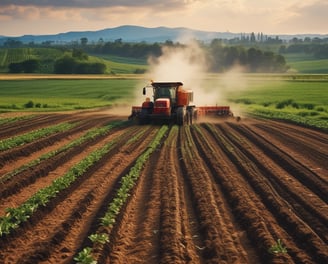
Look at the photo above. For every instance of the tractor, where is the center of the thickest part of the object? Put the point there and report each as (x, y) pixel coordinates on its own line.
(173, 104)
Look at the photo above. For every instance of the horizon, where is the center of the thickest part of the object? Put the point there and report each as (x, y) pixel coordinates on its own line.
(100, 29)
(272, 17)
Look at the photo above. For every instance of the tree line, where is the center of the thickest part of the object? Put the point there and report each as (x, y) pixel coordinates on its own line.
(319, 51)
(220, 55)
(252, 59)
(76, 62)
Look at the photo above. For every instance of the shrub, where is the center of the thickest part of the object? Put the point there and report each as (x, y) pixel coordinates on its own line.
(29, 104)
(303, 113)
(320, 109)
(284, 103)
(308, 106)
(295, 105)
(27, 66)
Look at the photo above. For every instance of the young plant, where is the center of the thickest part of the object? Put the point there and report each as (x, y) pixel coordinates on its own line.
(278, 248)
(85, 257)
(99, 238)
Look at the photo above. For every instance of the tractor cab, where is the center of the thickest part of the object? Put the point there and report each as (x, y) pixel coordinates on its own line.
(167, 90)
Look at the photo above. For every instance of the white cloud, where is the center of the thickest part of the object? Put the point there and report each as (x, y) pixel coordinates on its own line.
(269, 16)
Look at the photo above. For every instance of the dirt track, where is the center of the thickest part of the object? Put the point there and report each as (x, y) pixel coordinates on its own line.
(211, 193)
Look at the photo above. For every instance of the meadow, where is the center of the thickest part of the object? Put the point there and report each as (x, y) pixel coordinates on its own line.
(63, 94)
(301, 98)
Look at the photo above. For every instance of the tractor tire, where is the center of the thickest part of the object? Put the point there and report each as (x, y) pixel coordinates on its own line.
(190, 116)
(181, 116)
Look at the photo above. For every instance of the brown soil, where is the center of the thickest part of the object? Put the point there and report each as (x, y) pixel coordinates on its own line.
(211, 193)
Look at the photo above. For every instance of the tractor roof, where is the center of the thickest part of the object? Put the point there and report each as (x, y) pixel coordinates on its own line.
(165, 84)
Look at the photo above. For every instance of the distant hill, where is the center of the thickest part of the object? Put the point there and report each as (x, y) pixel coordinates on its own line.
(138, 34)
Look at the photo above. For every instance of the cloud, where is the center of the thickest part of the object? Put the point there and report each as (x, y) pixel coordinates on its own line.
(97, 9)
(305, 17)
(269, 17)
(97, 3)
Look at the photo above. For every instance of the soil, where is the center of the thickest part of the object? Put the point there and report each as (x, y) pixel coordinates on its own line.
(222, 192)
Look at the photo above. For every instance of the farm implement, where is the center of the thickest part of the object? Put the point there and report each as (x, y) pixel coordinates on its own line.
(173, 104)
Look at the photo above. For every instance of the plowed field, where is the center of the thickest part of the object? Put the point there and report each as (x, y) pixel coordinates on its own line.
(221, 192)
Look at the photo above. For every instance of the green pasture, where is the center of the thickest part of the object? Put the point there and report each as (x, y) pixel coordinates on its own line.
(64, 94)
(306, 63)
(302, 99)
(310, 66)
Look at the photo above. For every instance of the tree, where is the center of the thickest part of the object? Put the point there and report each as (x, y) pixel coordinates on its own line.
(15, 67)
(12, 43)
(27, 66)
(31, 65)
(254, 58)
(253, 39)
(79, 54)
(65, 65)
(84, 41)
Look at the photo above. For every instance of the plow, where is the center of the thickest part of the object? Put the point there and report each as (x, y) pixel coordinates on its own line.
(173, 104)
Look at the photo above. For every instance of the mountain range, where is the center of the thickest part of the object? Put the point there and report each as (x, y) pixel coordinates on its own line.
(130, 33)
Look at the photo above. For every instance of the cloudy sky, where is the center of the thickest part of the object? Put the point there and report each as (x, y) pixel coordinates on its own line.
(19, 17)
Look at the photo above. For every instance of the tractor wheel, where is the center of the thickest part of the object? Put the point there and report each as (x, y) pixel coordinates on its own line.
(180, 116)
(190, 116)
(143, 118)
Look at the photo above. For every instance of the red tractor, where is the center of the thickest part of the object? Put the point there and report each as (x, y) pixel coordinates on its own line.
(172, 104)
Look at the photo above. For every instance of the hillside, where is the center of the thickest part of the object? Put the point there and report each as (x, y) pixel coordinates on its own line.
(47, 57)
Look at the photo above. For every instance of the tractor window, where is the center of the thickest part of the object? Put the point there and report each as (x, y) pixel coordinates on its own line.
(166, 91)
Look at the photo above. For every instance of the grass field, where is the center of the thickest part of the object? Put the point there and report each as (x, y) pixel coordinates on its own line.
(300, 98)
(64, 94)
(306, 63)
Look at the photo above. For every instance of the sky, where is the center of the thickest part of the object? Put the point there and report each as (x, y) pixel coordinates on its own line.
(43, 17)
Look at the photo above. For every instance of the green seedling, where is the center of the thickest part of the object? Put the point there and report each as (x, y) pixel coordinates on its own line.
(85, 257)
(278, 248)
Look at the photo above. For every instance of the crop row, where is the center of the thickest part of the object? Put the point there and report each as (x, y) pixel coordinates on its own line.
(306, 118)
(15, 55)
(14, 119)
(12, 142)
(101, 237)
(89, 135)
(261, 179)
(15, 216)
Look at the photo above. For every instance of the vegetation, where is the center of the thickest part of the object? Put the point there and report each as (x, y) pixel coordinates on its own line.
(253, 59)
(51, 59)
(278, 248)
(90, 135)
(127, 183)
(64, 94)
(30, 136)
(14, 119)
(302, 100)
(16, 216)
(256, 52)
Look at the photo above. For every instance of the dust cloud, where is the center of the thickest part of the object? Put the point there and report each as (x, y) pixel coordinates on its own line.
(189, 64)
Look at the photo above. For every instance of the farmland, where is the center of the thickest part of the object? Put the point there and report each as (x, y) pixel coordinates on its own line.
(88, 185)
(301, 98)
(97, 187)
